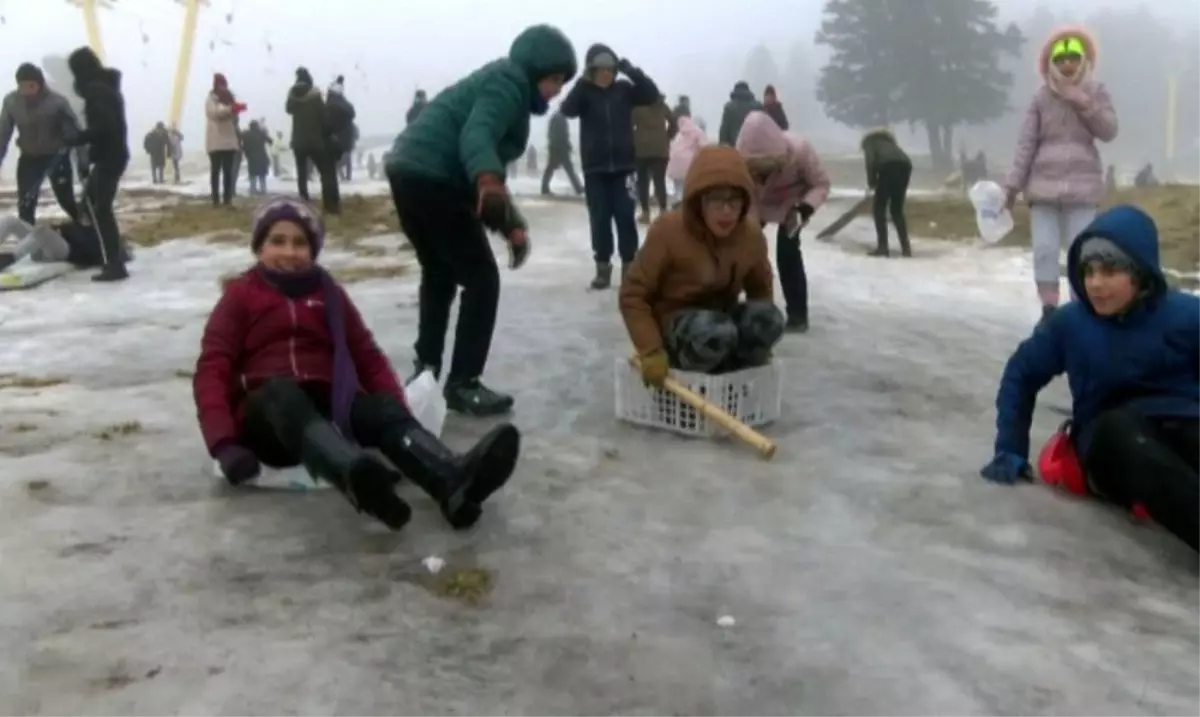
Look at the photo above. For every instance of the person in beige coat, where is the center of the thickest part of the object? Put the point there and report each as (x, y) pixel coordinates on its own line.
(221, 142)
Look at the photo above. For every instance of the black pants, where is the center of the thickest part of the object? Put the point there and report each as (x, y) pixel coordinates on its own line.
(793, 278)
(609, 202)
(453, 250)
(707, 341)
(563, 163)
(158, 170)
(221, 167)
(1153, 462)
(326, 169)
(32, 170)
(276, 414)
(101, 194)
(891, 188)
(652, 168)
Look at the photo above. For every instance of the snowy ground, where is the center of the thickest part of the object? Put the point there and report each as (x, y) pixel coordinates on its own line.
(869, 568)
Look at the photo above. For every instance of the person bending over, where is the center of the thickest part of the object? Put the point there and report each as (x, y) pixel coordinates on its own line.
(289, 374)
(680, 299)
(70, 241)
(1131, 350)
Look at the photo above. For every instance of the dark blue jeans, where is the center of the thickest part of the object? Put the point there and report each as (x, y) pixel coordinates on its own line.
(609, 201)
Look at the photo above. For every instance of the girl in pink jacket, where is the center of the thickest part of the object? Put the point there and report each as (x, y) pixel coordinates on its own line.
(792, 185)
(1057, 165)
(684, 147)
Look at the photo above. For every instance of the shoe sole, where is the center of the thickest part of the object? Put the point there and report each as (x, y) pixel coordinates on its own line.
(373, 486)
(497, 462)
(479, 411)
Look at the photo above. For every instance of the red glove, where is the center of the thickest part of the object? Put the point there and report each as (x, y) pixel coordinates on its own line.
(239, 107)
(489, 187)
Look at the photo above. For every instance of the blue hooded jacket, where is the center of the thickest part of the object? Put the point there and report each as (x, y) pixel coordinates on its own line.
(1148, 358)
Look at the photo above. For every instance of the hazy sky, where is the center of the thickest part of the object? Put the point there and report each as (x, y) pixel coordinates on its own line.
(387, 49)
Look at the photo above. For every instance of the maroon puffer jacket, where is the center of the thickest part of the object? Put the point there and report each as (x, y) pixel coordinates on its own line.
(255, 333)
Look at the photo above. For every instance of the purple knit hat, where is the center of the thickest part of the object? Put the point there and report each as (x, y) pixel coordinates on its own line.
(287, 209)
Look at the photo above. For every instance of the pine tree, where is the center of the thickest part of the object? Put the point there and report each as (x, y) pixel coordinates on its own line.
(936, 63)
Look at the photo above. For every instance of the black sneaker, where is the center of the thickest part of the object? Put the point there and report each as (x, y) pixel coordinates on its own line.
(473, 398)
(110, 273)
(796, 325)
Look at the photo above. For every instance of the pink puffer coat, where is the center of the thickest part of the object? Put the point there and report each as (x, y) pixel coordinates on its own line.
(1056, 159)
(684, 147)
(800, 176)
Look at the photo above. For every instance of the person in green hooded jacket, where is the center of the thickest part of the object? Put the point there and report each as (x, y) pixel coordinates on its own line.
(447, 176)
(888, 171)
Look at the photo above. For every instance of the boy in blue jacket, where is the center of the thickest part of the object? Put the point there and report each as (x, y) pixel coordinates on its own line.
(1131, 350)
(604, 106)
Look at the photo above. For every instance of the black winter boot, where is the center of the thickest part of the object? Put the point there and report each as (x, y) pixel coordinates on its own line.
(459, 484)
(110, 273)
(603, 278)
(368, 484)
(472, 397)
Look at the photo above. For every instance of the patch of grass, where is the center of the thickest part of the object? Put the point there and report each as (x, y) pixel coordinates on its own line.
(13, 380)
(361, 217)
(1174, 207)
(119, 430)
(22, 428)
(366, 272)
(467, 585)
(184, 373)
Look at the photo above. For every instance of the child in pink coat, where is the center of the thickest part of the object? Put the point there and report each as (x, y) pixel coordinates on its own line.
(1057, 166)
(684, 147)
(791, 185)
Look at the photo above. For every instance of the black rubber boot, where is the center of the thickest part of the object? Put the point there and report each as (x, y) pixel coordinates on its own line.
(796, 324)
(902, 232)
(603, 278)
(368, 484)
(459, 484)
(472, 397)
(880, 251)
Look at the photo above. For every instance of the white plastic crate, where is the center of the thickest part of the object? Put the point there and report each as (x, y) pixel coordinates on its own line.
(753, 396)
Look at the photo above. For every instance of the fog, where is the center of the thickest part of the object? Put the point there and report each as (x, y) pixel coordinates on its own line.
(386, 50)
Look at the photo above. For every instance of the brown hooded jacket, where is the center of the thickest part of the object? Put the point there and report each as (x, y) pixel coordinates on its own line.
(682, 265)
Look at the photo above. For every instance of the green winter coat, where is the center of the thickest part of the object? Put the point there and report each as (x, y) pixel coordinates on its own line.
(481, 124)
(307, 108)
(879, 148)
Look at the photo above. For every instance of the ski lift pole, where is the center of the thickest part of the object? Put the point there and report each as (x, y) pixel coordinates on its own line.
(183, 65)
(91, 21)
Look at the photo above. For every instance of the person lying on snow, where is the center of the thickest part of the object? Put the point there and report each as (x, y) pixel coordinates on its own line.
(74, 242)
(289, 374)
(680, 297)
(1131, 350)
(792, 185)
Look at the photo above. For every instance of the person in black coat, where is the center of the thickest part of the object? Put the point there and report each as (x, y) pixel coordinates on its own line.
(774, 108)
(107, 138)
(604, 106)
(559, 141)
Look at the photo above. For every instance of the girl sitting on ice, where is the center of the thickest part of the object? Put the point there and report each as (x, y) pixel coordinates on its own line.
(792, 185)
(289, 374)
(1131, 350)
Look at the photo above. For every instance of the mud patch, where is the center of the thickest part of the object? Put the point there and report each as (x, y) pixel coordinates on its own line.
(14, 380)
(118, 430)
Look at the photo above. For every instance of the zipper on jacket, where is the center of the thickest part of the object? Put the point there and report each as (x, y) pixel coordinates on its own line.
(292, 339)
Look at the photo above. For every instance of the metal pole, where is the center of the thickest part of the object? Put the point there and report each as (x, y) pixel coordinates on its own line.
(183, 66)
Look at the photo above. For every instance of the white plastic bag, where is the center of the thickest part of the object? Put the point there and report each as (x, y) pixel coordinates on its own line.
(991, 216)
(426, 402)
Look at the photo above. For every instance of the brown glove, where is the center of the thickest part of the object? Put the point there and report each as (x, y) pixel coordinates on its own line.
(655, 368)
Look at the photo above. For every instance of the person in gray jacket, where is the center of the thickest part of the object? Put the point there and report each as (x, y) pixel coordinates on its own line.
(45, 123)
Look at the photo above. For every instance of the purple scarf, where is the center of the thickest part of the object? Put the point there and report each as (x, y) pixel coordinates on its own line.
(345, 385)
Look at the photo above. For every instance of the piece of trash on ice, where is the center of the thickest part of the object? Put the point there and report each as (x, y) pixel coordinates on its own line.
(434, 564)
(726, 621)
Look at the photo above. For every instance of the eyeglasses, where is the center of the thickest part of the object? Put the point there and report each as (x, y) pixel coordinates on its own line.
(730, 201)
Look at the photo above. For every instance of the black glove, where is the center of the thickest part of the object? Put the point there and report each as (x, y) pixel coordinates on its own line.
(495, 208)
(238, 464)
(624, 66)
(805, 211)
(519, 248)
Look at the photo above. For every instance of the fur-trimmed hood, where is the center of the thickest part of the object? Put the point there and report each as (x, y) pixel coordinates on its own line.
(1089, 47)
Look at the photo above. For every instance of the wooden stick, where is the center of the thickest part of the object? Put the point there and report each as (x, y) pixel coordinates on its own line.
(765, 446)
